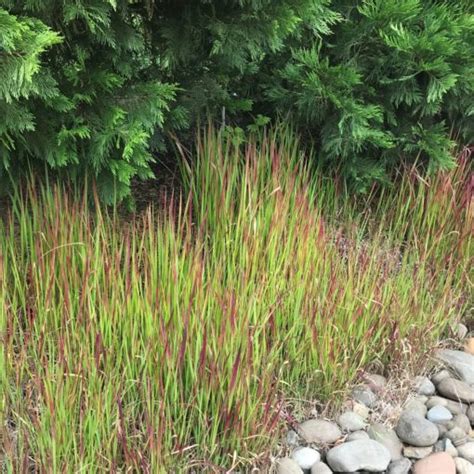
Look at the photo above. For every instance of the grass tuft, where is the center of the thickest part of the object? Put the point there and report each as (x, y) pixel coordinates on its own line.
(172, 339)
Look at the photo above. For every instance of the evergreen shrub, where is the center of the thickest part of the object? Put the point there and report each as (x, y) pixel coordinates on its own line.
(96, 86)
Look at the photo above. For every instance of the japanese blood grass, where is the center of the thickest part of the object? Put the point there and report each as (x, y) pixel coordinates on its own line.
(170, 340)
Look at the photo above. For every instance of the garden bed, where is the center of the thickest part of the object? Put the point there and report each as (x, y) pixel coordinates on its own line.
(175, 340)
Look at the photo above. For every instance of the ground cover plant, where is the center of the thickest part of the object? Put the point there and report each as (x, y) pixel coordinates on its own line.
(172, 340)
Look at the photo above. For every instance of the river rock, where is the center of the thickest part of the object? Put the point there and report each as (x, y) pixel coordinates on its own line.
(456, 435)
(442, 374)
(388, 438)
(319, 431)
(359, 455)
(415, 406)
(455, 407)
(463, 466)
(414, 452)
(364, 395)
(401, 466)
(439, 414)
(461, 330)
(305, 457)
(320, 468)
(424, 386)
(422, 398)
(461, 362)
(357, 435)
(437, 463)
(456, 390)
(466, 451)
(415, 430)
(375, 381)
(463, 422)
(288, 466)
(351, 421)
(360, 409)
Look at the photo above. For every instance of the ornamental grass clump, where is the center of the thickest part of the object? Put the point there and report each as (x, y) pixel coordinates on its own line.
(171, 340)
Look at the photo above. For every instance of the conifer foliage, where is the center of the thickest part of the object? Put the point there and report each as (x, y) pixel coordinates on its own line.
(393, 81)
(94, 86)
(77, 94)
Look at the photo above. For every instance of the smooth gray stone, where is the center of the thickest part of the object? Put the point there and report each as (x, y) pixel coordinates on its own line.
(461, 362)
(361, 409)
(402, 466)
(375, 381)
(388, 438)
(463, 422)
(288, 466)
(455, 407)
(463, 466)
(439, 414)
(414, 452)
(415, 406)
(415, 430)
(442, 374)
(461, 331)
(422, 398)
(350, 421)
(319, 431)
(456, 390)
(321, 468)
(466, 451)
(424, 386)
(359, 455)
(365, 396)
(305, 457)
(456, 435)
(357, 435)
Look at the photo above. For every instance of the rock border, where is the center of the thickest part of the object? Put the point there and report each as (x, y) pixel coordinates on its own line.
(434, 433)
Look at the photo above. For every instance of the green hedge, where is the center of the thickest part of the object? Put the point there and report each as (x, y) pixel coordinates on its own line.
(96, 86)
